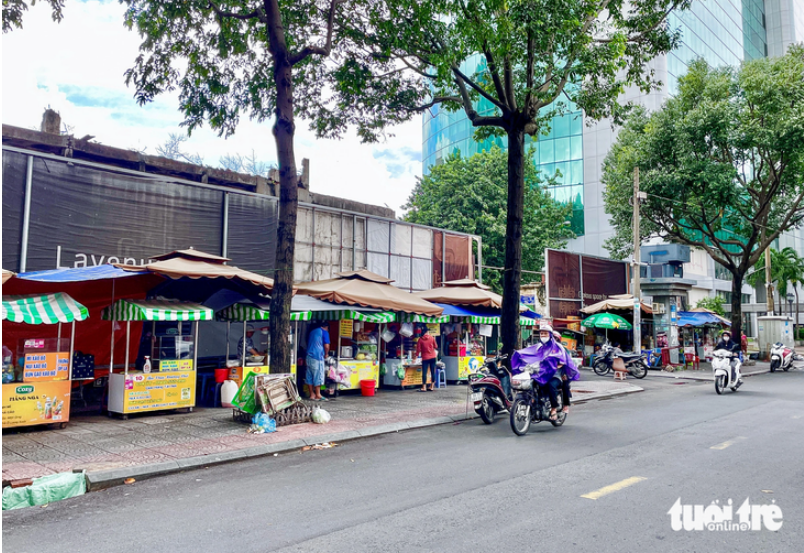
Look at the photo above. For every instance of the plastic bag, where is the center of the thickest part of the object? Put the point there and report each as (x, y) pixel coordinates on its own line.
(406, 330)
(321, 417)
(47, 489)
(262, 423)
(400, 372)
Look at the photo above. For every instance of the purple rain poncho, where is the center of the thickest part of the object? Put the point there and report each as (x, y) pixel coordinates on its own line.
(547, 356)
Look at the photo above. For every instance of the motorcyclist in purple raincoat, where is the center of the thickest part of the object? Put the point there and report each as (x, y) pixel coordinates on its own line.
(556, 367)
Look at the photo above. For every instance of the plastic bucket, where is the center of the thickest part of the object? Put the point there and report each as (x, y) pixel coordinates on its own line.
(367, 387)
(221, 375)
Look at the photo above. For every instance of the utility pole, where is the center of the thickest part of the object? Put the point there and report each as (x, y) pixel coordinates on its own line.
(637, 267)
(768, 283)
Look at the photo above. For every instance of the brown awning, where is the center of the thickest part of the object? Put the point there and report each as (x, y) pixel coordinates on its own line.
(462, 292)
(619, 302)
(198, 264)
(367, 289)
(7, 275)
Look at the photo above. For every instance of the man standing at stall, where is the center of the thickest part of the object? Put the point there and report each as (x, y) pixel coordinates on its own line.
(317, 350)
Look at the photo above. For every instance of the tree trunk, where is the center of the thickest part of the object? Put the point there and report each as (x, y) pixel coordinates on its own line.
(513, 241)
(737, 307)
(284, 129)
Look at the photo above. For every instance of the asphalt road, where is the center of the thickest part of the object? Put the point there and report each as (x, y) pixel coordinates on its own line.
(470, 487)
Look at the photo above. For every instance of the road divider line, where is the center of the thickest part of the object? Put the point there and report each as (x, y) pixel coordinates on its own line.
(796, 416)
(728, 443)
(617, 486)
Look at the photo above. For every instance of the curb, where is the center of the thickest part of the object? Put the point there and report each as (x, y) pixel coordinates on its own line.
(109, 478)
(706, 378)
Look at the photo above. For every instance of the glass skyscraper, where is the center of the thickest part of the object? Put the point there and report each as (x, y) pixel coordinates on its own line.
(723, 32)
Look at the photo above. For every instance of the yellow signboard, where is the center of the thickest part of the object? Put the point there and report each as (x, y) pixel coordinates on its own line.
(361, 370)
(468, 365)
(434, 328)
(26, 404)
(46, 366)
(347, 328)
(175, 365)
(238, 373)
(154, 391)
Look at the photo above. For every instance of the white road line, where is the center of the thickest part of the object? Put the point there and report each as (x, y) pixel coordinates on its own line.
(617, 486)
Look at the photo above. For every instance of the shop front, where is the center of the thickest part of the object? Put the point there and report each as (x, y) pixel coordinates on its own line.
(163, 376)
(37, 378)
(402, 369)
(243, 315)
(356, 341)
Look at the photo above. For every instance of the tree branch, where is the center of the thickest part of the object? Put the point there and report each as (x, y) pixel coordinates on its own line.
(480, 90)
(435, 101)
(258, 13)
(310, 49)
(636, 39)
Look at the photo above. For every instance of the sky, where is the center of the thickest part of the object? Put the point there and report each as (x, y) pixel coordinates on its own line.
(77, 68)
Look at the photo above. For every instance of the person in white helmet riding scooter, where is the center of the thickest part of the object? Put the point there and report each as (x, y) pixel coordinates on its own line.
(733, 347)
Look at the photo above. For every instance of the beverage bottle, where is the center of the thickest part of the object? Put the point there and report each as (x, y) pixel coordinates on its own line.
(146, 367)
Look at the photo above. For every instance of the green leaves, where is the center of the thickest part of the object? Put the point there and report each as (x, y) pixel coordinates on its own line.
(722, 162)
(470, 195)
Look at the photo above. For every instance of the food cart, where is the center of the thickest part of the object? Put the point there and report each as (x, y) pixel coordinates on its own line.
(402, 362)
(39, 393)
(246, 313)
(355, 337)
(171, 381)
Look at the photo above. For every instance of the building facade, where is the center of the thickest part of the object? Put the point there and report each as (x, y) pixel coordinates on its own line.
(723, 32)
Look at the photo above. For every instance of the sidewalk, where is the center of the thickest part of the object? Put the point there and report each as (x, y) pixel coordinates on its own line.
(111, 449)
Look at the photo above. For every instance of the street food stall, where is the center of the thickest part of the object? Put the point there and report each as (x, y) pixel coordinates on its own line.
(37, 390)
(246, 313)
(401, 366)
(363, 291)
(167, 378)
(356, 340)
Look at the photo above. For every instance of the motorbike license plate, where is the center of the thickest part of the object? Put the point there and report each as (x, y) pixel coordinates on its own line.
(477, 396)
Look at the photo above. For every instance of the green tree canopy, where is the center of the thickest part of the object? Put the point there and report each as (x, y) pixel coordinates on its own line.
(13, 10)
(712, 303)
(722, 164)
(511, 65)
(469, 195)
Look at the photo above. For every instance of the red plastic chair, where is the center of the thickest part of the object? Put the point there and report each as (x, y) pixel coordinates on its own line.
(692, 359)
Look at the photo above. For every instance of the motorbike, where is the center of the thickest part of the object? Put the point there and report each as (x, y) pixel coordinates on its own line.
(725, 375)
(635, 363)
(491, 389)
(531, 403)
(782, 357)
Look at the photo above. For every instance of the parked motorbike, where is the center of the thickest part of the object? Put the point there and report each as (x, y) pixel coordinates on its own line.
(491, 389)
(726, 376)
(782, 357)
(635, 363)
(531, 403)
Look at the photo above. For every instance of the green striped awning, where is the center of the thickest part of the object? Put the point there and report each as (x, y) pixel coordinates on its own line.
(416, 318)
(246, 312)
(43, 309)
(382, 317)
(157, 310)
(523, 321)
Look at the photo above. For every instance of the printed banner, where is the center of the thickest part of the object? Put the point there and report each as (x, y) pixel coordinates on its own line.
(36, 403)
(155, 391)
(347, 328)
(362, 370)
(238, 373)
(46, 366)
(468, 365)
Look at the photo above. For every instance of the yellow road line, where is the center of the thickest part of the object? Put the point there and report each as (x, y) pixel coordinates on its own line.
(727, 443)
(597, 494)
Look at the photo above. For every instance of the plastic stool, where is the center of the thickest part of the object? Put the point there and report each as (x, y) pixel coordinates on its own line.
(216, 399)
(440, 378)
(203, 386)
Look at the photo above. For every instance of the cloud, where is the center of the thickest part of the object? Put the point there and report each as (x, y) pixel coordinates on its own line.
(83, 79)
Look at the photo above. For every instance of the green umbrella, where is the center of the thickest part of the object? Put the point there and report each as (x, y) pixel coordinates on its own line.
(607, 321)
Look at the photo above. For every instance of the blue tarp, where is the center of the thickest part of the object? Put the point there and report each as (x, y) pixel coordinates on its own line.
(468, 311)
(694, 318)
(78, 274)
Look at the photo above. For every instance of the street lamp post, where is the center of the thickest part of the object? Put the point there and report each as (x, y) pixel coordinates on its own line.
(790, 299)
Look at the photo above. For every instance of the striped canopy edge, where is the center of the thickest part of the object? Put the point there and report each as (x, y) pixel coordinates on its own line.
(43, 309)
(157, 310)
(383, 317)
(416, 318)
(244, 312)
